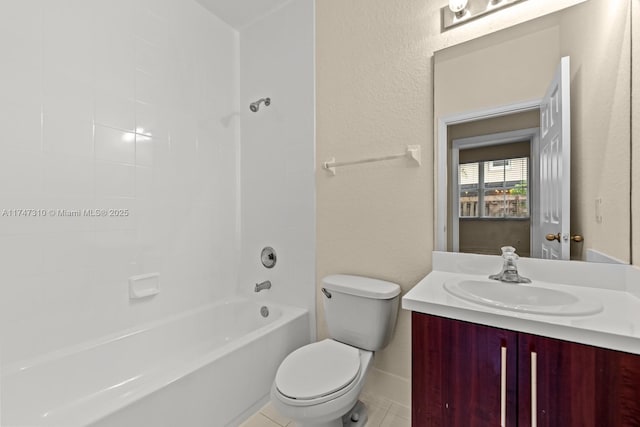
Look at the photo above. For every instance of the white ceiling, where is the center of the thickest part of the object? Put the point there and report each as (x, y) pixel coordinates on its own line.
(239, 13)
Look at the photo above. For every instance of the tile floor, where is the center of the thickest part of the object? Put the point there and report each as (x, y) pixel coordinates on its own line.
(382, 413)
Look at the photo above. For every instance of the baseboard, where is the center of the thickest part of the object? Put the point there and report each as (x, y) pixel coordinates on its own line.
(388, 386)
(597, 256)
(252, 410)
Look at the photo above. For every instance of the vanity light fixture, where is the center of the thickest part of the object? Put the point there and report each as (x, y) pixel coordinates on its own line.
(461, 11)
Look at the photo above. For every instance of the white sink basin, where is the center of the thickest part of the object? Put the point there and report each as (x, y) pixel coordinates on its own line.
(527, 298)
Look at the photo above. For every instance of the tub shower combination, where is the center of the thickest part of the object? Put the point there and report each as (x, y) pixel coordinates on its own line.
(213, 365)
(210, 366)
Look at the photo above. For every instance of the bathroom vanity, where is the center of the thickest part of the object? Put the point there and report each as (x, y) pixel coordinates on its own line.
(488, 363)
(458, 371)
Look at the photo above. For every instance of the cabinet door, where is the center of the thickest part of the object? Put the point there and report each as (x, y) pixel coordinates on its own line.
(576, 385)
(457, 374)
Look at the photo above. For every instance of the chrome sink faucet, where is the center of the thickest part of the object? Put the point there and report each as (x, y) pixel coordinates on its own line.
(262, 286)
(509, 273)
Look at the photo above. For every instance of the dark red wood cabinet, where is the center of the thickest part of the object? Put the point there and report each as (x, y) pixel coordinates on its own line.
(472, 375)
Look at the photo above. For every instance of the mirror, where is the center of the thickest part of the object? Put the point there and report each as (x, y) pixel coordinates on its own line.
(493, 85)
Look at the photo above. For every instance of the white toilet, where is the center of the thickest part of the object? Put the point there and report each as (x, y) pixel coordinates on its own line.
(318, 385)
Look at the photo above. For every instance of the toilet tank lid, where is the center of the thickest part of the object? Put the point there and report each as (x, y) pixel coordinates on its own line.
(361, 286)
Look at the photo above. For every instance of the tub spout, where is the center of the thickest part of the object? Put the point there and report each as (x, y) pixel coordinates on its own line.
(262, 286)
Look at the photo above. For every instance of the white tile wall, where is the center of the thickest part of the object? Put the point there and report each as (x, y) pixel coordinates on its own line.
(278, 152)
(113, 104)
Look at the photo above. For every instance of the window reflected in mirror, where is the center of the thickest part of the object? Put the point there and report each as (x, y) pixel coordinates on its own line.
(494, 188)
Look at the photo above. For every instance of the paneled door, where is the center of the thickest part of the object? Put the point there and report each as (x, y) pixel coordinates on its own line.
(555, 172)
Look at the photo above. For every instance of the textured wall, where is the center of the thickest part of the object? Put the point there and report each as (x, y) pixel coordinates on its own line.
(600, 152)
(374, 96)
(635, 131)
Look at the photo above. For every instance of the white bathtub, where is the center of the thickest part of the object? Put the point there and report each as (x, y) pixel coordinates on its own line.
(209, 367)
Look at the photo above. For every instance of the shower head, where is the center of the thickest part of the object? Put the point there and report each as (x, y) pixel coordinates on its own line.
(255, 106)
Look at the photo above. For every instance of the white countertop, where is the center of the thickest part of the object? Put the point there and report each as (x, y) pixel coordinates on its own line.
(616, 327)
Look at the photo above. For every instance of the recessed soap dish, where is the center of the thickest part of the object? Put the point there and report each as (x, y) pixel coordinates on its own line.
(144, 285)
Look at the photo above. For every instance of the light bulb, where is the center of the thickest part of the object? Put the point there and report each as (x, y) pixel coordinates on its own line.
(458, 7)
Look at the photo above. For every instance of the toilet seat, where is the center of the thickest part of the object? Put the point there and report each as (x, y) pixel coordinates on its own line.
(317, 373)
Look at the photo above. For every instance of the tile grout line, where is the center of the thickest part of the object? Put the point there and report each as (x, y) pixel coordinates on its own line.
(386, 412)
(394, 416)
(274, 421)
(388, 416)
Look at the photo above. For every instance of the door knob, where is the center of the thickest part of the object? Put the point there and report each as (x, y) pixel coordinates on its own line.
(551, 237)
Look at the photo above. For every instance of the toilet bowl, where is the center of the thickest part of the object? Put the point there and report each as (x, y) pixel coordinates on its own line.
(320, 382)
(318, 385)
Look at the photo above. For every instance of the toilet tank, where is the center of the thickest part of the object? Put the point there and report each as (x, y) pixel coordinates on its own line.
(360, 311)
